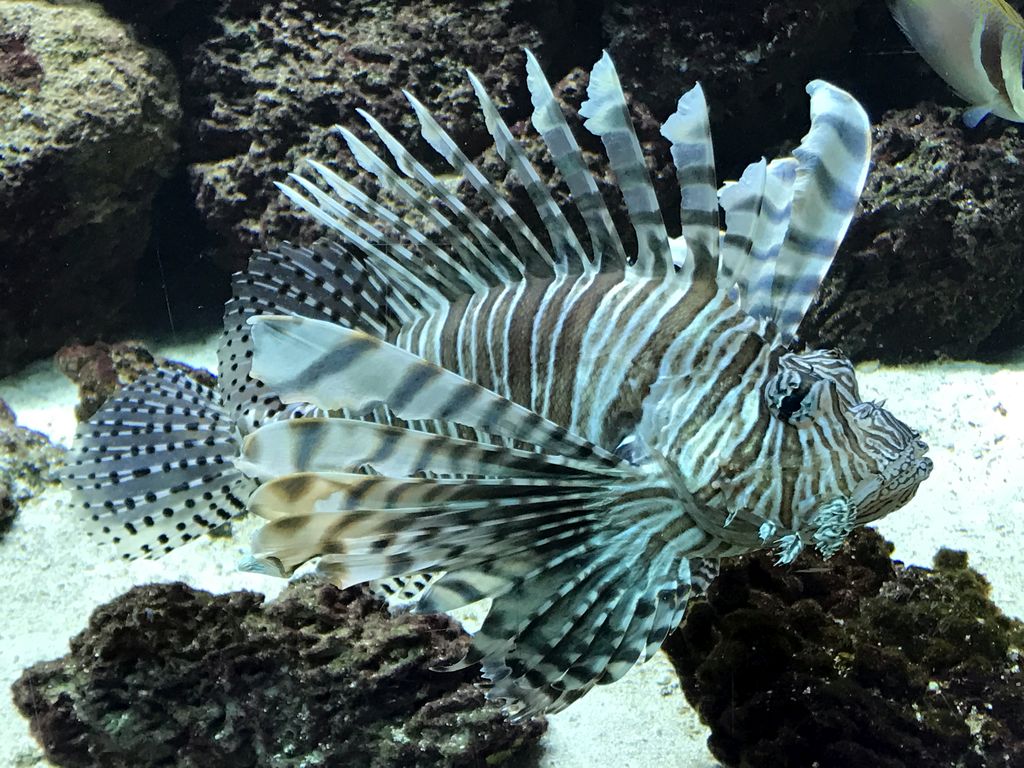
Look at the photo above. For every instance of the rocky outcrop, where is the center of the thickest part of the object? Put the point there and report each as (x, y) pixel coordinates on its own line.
(264, 91)
(99, 370)
(860, 661)
(88, 118)
(28, 463)
(167, 675)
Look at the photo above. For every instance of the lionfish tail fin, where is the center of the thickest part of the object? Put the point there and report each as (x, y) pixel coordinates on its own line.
(153, 468)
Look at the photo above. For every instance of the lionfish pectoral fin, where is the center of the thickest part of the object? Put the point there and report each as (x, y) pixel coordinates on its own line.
(332, 367)
(153, 468)
(587, 551)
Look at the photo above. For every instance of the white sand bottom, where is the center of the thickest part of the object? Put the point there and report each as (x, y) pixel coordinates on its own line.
(972, 415)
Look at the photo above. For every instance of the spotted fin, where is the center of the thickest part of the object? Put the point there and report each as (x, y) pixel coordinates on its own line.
(326, 281)
(401, 593)
(153, 468)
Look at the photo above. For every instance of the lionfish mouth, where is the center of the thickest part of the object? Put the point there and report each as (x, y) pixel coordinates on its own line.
(899, 453)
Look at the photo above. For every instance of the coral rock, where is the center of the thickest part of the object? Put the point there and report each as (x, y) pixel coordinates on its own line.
(79, 167)
(858, 662)
(166, 675)
(266, 89)
(102, 369)
(28, 463)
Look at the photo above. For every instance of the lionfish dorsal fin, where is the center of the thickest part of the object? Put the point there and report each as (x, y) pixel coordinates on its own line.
(422, 283)
(743, 202)
(753, 276)
(569, 254)
(535, 257)
(689, 130)
(549, 121)
(457, 277)
(833, 161)
(481, 258)
(502, 260)
(607, 117)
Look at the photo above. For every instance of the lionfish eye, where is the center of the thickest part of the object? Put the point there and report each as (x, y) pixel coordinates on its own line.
(785, 395)
(791, 402)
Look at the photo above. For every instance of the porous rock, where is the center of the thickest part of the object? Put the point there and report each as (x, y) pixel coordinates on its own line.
(87, 131)
(265, 89)
(28, 463)
(860, 661)
(933, 264)
(99, 370)
(167, 675)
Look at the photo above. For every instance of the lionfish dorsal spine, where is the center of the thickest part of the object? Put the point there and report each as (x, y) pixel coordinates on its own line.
(549, 121)
(531, 254)
(689, 131)
(833, 160)
(569, 253)
(491, 253)
(607, 116)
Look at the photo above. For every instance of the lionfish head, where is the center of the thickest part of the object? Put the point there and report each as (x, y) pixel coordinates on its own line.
(844, 461)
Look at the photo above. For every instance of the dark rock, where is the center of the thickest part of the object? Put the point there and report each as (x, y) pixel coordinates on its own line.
(28, 463)
(263, 92)
(934, 263)
(166, 675)
(860, 661)
(79, 167)
(753, 57)
(102, 369)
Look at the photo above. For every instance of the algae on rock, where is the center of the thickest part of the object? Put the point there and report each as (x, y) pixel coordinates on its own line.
(857, 661)
(167, 675)
(28, 463)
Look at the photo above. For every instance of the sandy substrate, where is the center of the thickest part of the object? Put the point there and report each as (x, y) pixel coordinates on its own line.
(972, 415)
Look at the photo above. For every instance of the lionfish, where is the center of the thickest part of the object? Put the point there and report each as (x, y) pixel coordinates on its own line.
(536, 415)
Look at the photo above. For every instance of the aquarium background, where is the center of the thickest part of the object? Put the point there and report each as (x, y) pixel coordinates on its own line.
(139, 144)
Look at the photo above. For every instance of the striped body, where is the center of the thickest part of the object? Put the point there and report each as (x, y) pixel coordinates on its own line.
(572, 431)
